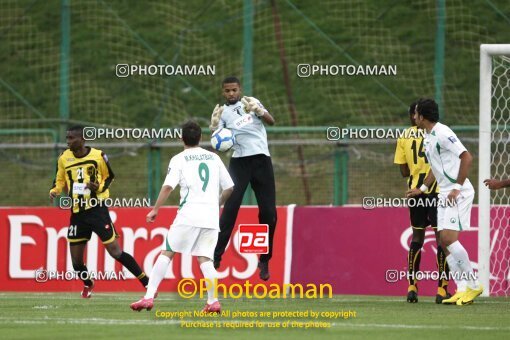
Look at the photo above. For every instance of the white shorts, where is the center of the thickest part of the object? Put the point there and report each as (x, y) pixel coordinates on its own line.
(196, 241)
(457, 217)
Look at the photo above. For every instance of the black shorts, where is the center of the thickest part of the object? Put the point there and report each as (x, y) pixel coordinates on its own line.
(423, 213)
(96, 220)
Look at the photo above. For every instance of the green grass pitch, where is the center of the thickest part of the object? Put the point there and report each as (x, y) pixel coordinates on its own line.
(107, 316)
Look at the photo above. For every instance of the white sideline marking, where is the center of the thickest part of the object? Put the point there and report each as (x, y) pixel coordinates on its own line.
(347, 324)
(91, 321)
(401, 326)
(132, 297)
(77, 297)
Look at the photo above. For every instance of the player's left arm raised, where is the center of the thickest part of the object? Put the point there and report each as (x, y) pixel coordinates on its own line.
(267, 118)
(253, 105)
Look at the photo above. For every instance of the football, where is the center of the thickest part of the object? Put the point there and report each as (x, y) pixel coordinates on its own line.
(222, 140)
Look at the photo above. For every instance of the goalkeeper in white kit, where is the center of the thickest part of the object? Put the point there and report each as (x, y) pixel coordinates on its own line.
(250, 164)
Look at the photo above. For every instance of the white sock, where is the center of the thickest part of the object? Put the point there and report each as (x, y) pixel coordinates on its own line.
(462, 259)
(210, 274)
(157, 274)
(455, 271)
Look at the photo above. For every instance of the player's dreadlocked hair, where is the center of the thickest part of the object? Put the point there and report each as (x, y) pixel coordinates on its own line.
(428, 109)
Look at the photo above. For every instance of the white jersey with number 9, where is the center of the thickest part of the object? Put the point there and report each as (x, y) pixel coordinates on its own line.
(200, 174)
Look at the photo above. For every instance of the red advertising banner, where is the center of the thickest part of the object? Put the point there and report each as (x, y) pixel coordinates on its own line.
(33, 247)
(357, 251)
(360, 251)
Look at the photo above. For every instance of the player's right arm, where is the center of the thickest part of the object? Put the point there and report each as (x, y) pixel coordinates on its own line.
(465, 164)
(427, 183)
(171, 181)
(429, 180)
(165, 191)
(60, 181)
(404, 170)
(449, 141)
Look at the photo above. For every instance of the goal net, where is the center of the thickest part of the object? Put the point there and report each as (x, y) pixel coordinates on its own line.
(494, 151)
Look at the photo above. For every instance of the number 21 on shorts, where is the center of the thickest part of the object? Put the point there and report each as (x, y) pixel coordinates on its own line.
(253, 238)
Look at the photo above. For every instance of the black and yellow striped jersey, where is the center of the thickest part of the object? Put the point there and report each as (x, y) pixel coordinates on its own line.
(410, 151)
(74, 173)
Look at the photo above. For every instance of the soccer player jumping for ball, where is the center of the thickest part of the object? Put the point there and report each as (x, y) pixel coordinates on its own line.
(87, 174)
(250, 164)
(450, 162)
(413, 164)
(200, 174)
